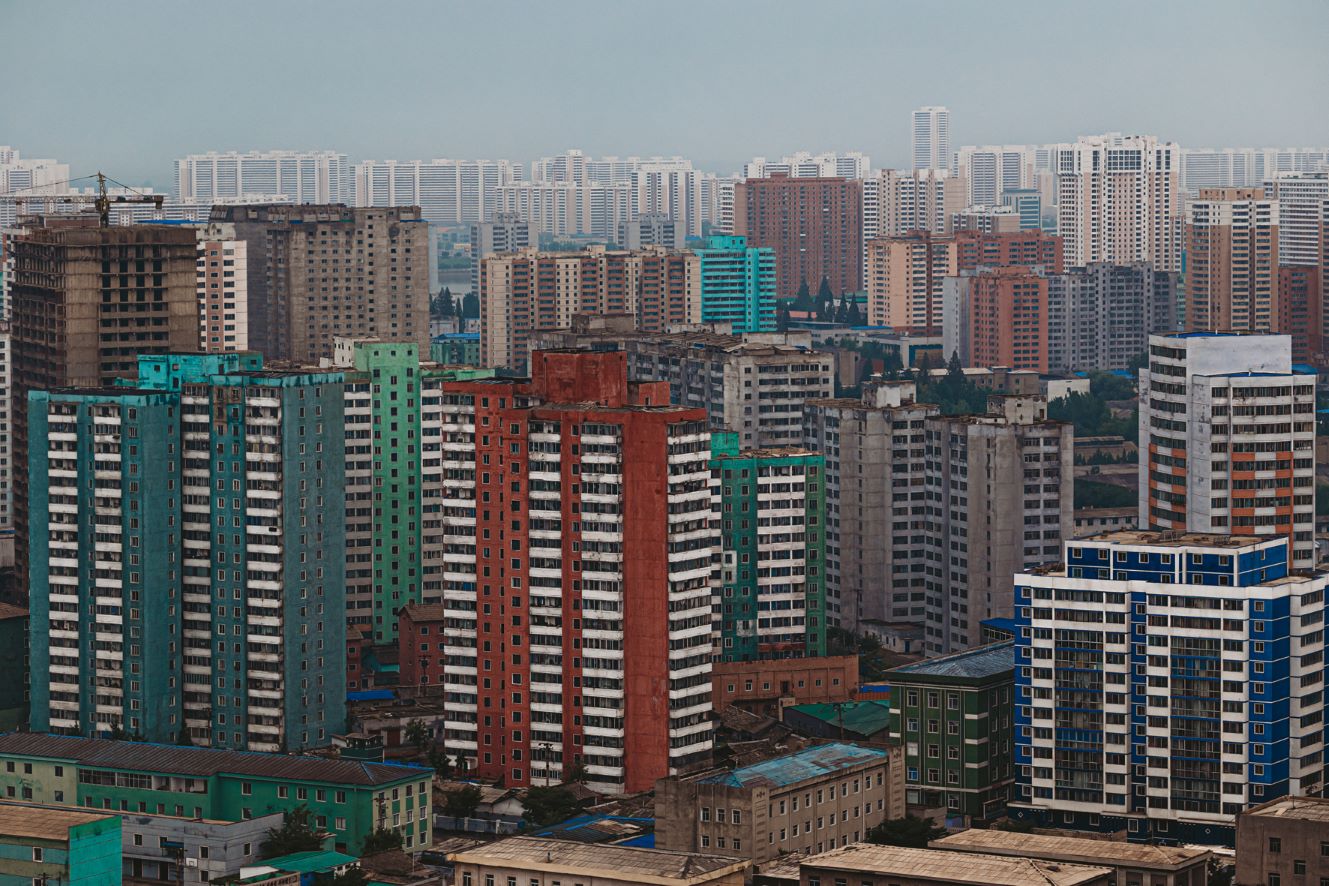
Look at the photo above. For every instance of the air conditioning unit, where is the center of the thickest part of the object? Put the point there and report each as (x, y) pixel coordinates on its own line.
(191, 862)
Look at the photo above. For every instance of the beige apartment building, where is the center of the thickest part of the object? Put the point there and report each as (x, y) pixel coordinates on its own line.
(1132, 864)
(817, 799)
(1232, 262)
(866, 864)
(536, 861)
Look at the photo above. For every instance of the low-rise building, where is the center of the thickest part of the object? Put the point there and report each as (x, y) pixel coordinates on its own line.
(42, 845)
(761, 686)
(536, 859)
(166, 849)
(1284, 841)
(348, 799)
(1132, 864)
(953, 715)
(816, 799)
(867, 721)
(872, 865)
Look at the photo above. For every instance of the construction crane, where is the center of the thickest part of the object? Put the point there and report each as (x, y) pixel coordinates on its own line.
(101, 201)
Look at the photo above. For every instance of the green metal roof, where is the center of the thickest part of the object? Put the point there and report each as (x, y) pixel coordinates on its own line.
(813, 762)
(862, 717)
(312, 862)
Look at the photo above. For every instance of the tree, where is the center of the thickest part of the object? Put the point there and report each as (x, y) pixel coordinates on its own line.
(910, 831)
(576, 772)
(417, 733)
(296, 834)
(1090, 494)
(440, 763)
(381, 840)
(470, 306)
(782, 316)
(549, 805)
(803, 300)
(462, 802)
(824, 293)
(460, 762)
(349, 877)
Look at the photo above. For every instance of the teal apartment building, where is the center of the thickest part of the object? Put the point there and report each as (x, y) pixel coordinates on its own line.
(737, 284)
(58, 847)
(772, 514)
(348, 799)
(395, 538)
(188, 579)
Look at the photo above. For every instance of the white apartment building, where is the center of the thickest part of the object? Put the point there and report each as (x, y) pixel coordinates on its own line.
(31, 175)
(1227, 439)
(569, 209)
(932, 138)
(1303, 208)
(989, 171)
(1244, 167)
(223, 289)
(897, 201)
(1119, 201)
(448, 192)
(297, 176)
(1166, 682)
(803, 164)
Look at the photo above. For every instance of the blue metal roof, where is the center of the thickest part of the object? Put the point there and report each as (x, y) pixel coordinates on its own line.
(371, 695)
(806, 764)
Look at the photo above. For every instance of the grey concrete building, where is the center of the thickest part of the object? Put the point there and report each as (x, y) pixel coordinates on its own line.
(1000, 499)
(1284, 842)
(650, 229)
(506, 232)
(321, 272)
(1132, 864)
(813, 800)
(171, 850)
(872, 865)
(1100, 317)
(876, 502)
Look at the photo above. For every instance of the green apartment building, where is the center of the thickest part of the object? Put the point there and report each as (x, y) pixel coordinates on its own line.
(58, 847)
(187, 570)
(349, 799)
(395, 539)
(772, 514)
(954, 716)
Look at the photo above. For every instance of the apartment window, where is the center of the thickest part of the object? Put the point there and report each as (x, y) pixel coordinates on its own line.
(1275, 844)
(36, 853)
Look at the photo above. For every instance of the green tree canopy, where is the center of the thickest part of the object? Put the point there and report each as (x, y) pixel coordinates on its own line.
(296, 834)
(417, 733)
(470, 306)
(462, 802)
(550, 805)
(909, 831)
(381, 840)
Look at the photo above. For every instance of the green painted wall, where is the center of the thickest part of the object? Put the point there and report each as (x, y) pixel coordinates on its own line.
(89, 855)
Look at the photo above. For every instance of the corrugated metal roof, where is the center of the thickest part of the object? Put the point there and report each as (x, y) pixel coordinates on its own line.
(985, 661)
(861, 717)
(22, 820)
(204, 762)
(809, 763)
(936, 865)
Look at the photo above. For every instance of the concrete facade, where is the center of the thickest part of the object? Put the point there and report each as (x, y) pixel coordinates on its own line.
(39, 844)
(541, 860)
(165, 849)
(1100, 317)
(1232, 262)
(814, 225)
(1283, 841)
(223, 289)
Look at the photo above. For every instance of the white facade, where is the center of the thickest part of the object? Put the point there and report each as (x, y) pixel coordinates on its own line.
(897, 201)
(223, 289)
(806, 165)
(1303, 208)
(932, 138)
(448, 192)
(296, 176)
(1119, 201)
(1244, 167)
(1229, 432)
(31, 175)
(569, 209)
(990, 171)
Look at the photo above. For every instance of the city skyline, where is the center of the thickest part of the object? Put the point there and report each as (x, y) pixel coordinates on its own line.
(688, 72)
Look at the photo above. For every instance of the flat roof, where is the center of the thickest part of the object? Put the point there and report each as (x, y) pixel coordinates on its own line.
(167, 759)
(1076, 849)
(311, 862)
(1299, 808)
(954, 867)
(43, 822)
(814, 762)
(985, 661)
(1178, 539)
(8, 611)
(647, 866)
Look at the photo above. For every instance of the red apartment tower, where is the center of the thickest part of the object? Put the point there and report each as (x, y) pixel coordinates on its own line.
(1008, 319)
(814, 225)
(1026, 248)
(577, 591)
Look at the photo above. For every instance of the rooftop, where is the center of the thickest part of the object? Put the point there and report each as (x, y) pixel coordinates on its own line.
(800, 766)
(204, 762)
(656, 867)
(7, 612)
(862, 717)
(985, 661)
(312, 862)
(1178, 539)
(1076, 849)
(954, 867)
(1300, 808)
(617, 829)
(30, 821)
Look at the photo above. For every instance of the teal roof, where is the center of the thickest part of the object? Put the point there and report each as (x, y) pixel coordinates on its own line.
(814, 762)
(862, 717)
(312, 862)
(985, 661)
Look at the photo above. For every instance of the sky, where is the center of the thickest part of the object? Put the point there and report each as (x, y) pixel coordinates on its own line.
(127, 86)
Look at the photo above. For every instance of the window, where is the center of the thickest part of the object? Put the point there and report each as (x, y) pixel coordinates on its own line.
(1275, 844)
(36, 853)
(1299, 867)
(246, 788)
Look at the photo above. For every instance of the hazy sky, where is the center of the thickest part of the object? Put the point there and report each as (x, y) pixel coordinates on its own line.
(129, 85)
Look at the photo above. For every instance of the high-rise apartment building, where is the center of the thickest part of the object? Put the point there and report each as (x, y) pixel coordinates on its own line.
(1302, 200)
(651, 229)
(803, 164)
(1232, 262)
(579, 583)
(1006, 320)
(505, 232)
(876, 503)
(999, 490)
(1227, 439)
(1166, 682)
(527, 292)
(990, 171)
(1301, 311)
(899, 202)
(395, 538)
(85, 302)
(447, 192)
(569, 208)
(1244, 167)
(318, 273)
(986, 219)
(1028, 205)
(1100, 317)
(1119, 201)
(932, 138)
(814, 225)
(31, 175)
(223, 289)
(771, 518)
(187, 551)
(737, 284)
(298, 176)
